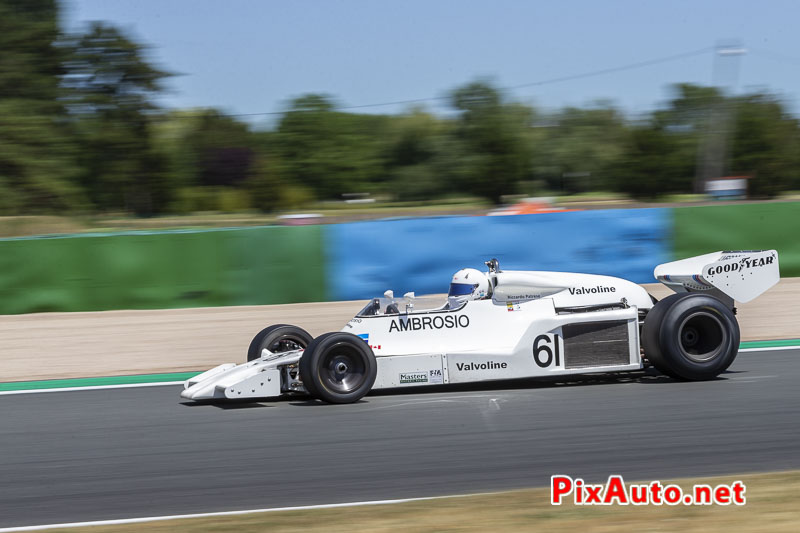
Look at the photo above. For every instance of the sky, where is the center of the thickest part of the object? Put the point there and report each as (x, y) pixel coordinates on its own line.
(254, 56)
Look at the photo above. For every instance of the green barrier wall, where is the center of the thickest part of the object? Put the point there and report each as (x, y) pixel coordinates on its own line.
(162, 270)
(762, 226)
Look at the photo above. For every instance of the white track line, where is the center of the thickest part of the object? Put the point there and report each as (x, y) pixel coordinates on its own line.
(92, 387)
(163, 383)
(232, 513)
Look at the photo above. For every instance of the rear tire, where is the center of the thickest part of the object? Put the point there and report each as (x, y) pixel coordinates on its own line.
(338, 368)
(278, 338)
(690, 336)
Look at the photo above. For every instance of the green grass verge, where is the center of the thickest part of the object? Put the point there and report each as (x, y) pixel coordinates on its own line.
(95, 382)
(334, 211)
(22, 226)
(769, 344)
(771, 506)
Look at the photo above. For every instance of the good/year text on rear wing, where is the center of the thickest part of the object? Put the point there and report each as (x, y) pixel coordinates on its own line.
(739, 275)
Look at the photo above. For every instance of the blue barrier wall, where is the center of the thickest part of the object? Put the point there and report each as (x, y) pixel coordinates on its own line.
(366, 258)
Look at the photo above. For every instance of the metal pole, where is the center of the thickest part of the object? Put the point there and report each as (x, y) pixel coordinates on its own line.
(715, 145)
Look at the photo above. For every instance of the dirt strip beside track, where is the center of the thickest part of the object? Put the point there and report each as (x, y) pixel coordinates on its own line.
(111, 343)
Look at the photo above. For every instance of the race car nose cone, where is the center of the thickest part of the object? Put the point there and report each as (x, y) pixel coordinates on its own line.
(198, 392)
(187, 393)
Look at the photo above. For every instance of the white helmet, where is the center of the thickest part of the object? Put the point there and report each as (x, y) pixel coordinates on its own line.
(467, 284)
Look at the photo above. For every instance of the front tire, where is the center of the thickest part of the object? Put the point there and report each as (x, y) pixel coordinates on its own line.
(278, 338)
(338, 368)
(690, 336)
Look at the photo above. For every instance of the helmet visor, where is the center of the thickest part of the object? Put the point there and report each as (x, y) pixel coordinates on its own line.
(461, 289)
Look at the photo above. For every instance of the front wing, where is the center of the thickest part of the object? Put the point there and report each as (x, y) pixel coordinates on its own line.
(260, 378)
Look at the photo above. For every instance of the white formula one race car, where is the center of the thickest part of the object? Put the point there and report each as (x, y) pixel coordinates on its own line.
(500, 325)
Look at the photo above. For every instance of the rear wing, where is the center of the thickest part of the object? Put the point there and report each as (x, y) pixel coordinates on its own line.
(741, 275)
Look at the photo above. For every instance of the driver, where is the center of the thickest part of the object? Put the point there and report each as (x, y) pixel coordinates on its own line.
(467, 284)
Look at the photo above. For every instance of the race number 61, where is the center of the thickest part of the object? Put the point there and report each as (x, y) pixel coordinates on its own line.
(546, 350)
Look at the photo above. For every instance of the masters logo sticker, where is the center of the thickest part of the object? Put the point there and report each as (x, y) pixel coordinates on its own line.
(413, 377)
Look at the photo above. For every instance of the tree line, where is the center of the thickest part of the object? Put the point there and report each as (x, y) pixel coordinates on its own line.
(80, 133)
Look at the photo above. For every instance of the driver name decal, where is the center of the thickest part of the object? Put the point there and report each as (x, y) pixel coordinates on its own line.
(417, 323)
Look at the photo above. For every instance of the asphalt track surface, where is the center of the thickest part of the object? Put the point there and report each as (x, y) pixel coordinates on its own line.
(125, 453)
